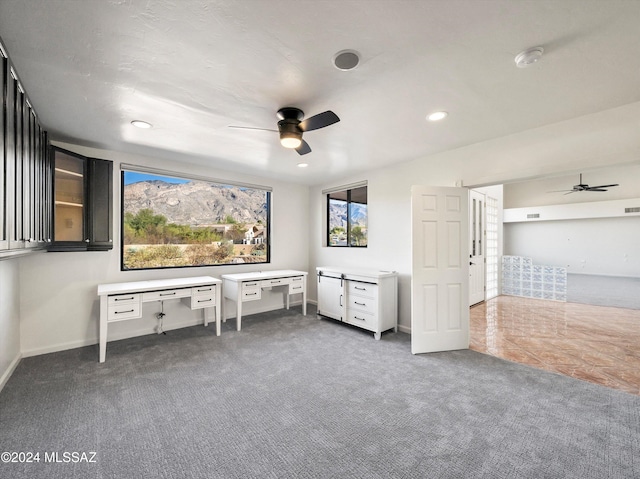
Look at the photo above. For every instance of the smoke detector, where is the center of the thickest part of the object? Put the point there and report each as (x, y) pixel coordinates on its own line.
(529, 57)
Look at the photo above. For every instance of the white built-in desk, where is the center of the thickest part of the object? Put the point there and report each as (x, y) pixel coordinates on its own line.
(243, 287)
(123, 301)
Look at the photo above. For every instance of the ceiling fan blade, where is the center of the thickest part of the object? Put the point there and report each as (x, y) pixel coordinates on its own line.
(593, 188)
(559, 191)
(319, 121)
(571, 191)
(251, 128)
(602, 186)
(304, 148)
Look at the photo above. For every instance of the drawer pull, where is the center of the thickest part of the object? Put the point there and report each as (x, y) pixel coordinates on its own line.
(168, 294)
(251, 294)
(207, 289)
(123, 312)
(361, 319)
(359, 304)
(361, 289)
(274, 282)
(204, 300)
(250, 284)
(124, 299)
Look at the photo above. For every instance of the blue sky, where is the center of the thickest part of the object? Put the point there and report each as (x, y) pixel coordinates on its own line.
(133, 177)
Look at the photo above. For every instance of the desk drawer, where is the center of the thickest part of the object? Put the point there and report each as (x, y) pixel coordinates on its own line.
(167, 294)
(123, 299)
(295, 288)
(268, 283)
(251, 291)
(127, 310)
(204, 291)
(200, 302)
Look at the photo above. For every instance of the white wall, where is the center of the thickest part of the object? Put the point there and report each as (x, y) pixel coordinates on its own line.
(58, 303)
(605, 246)
(9, 318)
(592, 245)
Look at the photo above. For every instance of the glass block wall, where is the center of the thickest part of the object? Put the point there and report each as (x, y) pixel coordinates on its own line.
(520, 277)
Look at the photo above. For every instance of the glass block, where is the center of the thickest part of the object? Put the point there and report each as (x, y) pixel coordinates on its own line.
(537, 269)
(526, 292)
(561, 297)
(547, 286)
(536, 277)
(527, 261)
(548, 270)
(547, 295)
(536, 286)
(537, 294)
(561, 288)
(548, 278)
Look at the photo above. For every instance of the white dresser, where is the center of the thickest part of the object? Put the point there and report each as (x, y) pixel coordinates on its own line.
(364, 298)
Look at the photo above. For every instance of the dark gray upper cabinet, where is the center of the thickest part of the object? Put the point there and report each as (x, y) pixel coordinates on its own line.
(83, 202)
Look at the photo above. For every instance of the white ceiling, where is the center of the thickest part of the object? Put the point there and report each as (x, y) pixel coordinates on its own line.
(194, 67)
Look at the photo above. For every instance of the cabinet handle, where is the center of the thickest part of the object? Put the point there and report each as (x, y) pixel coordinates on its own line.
(122, 312)
(359, 304)
(124, 299)
(168, 294)
(207, 289)
(251, 294)
(361, 319)
(361, 289)
(340, 300)
(204, 300)
(274, 282)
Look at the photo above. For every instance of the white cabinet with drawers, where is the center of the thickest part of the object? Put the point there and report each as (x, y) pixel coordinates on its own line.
(364, 298)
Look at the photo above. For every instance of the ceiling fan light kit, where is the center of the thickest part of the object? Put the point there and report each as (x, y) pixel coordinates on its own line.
(291, 127)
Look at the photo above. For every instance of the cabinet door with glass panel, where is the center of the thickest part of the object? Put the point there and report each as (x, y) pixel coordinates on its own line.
(83, 196)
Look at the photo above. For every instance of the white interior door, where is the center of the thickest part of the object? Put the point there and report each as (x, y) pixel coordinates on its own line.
(440, 269)
(476, 247)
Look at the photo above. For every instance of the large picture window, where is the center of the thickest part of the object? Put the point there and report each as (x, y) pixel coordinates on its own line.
(170, 221)
(347, 217)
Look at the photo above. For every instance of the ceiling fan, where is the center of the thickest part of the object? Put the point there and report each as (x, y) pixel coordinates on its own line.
(291, 126)
(584, 187)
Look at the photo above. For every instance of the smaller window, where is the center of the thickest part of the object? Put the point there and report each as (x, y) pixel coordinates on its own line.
(347, 217)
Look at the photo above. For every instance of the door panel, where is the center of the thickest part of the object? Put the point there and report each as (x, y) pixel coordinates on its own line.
(440, 269)
(476, 247)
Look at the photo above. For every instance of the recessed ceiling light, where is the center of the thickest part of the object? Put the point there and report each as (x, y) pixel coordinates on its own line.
(437, 116)
(141, 124)
(303, 165)
(346, 60)
(528, 57)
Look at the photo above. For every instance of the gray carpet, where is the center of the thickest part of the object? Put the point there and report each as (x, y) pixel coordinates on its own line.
(296, 397)
(615, 291)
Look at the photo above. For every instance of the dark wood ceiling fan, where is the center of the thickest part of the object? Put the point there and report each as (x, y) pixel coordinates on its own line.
(291, 126)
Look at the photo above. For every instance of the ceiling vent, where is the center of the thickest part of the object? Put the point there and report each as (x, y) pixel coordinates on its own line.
(532, 216)
(632, 210)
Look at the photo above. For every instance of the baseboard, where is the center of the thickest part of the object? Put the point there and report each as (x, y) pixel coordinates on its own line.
(7, 374)
(404, 329)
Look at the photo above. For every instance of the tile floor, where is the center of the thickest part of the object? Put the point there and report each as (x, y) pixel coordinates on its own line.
(592, 343)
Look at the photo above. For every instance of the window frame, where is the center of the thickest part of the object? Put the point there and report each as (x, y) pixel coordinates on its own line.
(182, 176)
(348, 190)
